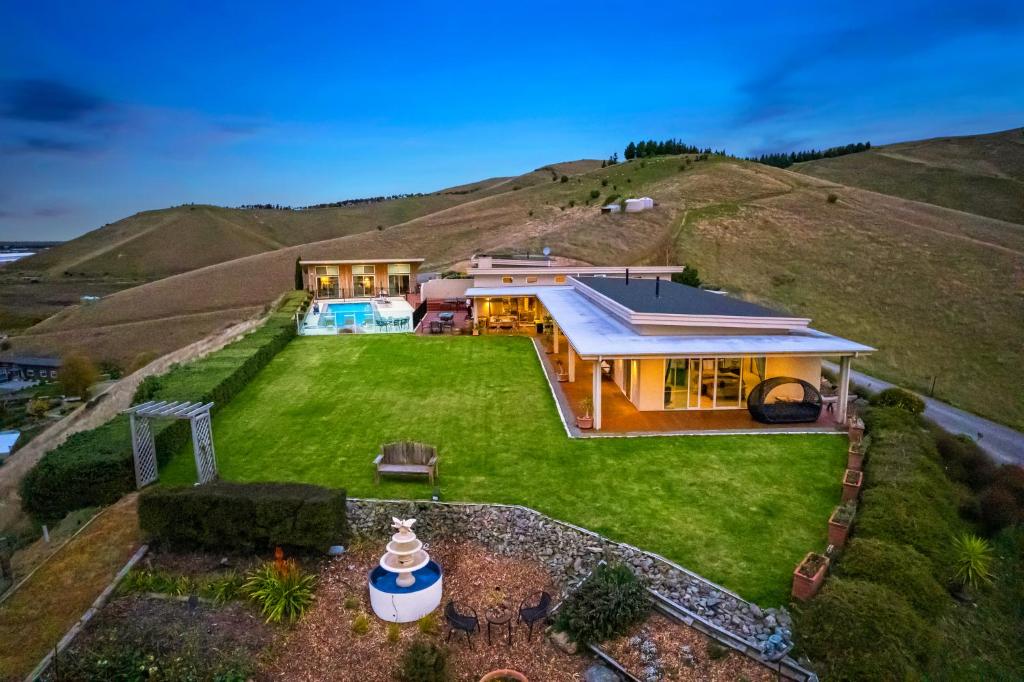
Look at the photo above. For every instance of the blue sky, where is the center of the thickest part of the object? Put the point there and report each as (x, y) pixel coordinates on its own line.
(111, 108)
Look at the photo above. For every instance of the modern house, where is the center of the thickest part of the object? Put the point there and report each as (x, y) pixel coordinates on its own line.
(341, 279)
(649, 345)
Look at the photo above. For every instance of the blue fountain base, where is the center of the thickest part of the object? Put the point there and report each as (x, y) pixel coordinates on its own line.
(397, 604)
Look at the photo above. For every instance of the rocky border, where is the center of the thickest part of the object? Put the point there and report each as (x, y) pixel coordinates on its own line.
(570, 553)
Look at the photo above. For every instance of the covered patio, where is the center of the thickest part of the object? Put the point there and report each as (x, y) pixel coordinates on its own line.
(618, 416)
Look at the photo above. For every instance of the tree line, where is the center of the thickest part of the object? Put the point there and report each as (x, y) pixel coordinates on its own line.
(784, 160)
(646, 149)
(333, 204)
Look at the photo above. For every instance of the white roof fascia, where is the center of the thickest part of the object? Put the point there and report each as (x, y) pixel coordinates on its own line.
(368, 261)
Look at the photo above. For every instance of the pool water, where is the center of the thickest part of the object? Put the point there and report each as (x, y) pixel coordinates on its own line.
(386, 581)
(349, 313)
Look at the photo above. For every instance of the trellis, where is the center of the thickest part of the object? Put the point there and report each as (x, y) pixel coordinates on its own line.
(144, 446)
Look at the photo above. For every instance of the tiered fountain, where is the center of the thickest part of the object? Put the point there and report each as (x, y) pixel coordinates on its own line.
(407, 584)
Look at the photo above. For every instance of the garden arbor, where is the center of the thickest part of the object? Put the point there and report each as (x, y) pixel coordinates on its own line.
(144, 446)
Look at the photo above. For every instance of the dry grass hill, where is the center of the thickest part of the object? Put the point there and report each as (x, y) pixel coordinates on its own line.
(939, 292)
(982, 174)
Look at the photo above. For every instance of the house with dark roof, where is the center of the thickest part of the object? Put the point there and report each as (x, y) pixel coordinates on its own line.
(641, 353)
(28, 368)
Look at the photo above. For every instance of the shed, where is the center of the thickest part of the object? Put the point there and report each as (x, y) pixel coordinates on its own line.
(634, 205)
(611, 208)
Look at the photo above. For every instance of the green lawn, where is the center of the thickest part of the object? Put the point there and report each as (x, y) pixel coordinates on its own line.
(740, 510)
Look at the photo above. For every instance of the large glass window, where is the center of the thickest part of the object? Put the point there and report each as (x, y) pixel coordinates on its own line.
(327, 281)
(364, 281)
(398, 278)
(711, 383)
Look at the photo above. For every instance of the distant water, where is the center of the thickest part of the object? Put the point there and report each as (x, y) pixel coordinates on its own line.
(11, 256)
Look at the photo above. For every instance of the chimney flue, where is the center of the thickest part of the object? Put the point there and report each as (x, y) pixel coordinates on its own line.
(657, 287)
(627, 277)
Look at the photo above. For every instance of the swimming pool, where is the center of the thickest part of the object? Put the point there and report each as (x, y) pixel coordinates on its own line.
(344, 314)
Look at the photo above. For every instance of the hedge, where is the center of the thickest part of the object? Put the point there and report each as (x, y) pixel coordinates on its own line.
(95, 467)
(900, 568)
(245, 516)
(899, 398)
(858, 630)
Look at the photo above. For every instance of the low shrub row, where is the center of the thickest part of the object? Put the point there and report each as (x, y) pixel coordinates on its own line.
(95, 467)
(880, 616)
(245, 516)
(610, 601)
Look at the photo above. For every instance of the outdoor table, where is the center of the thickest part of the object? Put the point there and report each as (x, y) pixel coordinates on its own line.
(500, 615)
(446, 317)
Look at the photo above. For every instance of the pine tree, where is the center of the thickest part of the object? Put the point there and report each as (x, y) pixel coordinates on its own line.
(630, 152)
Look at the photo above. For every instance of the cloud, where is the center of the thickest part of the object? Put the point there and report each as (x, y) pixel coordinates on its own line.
(800, 81)
(39, 144)
(47, 101)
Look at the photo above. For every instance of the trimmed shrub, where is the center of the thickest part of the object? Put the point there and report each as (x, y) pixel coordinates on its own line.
(595, 193)
(900, 399)
(880, 418)
(95, 467)
(857, 630)
(607, 604)
(245, 516)
(964, 460)
(905, 517)
(898, 567)
(425, 662)
(998, 508)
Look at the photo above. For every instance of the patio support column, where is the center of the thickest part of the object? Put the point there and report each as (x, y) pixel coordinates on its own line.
(572, 362)
(597, 394)
(554, 326)
(844, 388)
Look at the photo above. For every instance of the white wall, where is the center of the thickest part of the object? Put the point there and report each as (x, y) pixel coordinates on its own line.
(436, 289)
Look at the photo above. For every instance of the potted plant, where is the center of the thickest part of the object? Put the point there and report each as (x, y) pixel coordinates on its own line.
(587, 420)
(856, 430)
(809, 575)
(478, 328)
(839, 523)
(504, 675)
(852, 481)
(560, 372)
(855, 455)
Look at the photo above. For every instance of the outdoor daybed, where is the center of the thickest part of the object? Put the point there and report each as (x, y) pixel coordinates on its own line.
(783, 411)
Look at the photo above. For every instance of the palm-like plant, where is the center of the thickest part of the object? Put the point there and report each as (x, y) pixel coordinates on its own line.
(282, 591)
(972, 560)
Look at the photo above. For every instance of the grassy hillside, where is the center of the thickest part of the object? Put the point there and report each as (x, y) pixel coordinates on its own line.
(981, 174)
(939, 292)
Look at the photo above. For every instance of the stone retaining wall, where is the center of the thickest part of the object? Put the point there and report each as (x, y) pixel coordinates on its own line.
(570, 553)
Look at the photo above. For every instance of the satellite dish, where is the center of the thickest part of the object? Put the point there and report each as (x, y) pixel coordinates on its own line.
(547, 250)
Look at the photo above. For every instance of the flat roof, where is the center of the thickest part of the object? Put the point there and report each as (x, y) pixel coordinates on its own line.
(578, 271)
(674, 299)
(337, 261)
(594, 332)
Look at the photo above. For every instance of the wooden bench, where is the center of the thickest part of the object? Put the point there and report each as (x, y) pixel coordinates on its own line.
(406, 458)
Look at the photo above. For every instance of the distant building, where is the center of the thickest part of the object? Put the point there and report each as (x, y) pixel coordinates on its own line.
(28, 368)
(637, 205)
(611, 208)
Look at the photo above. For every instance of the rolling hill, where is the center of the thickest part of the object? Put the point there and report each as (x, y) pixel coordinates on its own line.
(981, 174)
(940, 292)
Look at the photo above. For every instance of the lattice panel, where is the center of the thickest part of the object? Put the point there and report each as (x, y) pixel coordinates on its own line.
(202, 444)
(144, 450)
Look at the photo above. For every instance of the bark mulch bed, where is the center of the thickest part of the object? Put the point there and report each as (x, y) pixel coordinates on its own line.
(680, 652)
(323, 645)
(170, 636)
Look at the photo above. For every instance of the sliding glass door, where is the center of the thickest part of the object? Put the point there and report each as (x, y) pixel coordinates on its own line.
(710, 383)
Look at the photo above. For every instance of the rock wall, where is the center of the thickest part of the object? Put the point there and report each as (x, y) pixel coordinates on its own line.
(570, 553)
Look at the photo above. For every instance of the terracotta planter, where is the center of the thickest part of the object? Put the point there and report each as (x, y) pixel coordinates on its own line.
(806, 586)
(855, 458)
(504, 675)
(563, 377)
(856, 430)
(852, 481)
(837, 532)
(585, 422)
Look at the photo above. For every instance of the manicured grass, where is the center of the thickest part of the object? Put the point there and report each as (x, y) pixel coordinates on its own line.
(740, 510)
